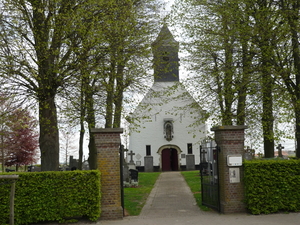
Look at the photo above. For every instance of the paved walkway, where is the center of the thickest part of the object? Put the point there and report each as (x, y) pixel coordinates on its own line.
(172, 203)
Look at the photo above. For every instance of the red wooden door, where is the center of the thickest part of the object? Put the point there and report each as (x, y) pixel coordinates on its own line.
(165, 159)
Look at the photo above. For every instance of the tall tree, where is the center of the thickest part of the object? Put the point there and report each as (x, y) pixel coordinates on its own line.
(264, 15)
(232, 46)
(38, 58)
(112, 62)
(214, 36)
(288, 61)
(127, 35)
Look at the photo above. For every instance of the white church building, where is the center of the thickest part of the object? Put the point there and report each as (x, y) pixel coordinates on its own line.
(168, 125)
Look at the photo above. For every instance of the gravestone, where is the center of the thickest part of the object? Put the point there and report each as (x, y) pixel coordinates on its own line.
(190, 162)
(73, 163)
(134, 175)
(85, 165)
(131, 164)
(148, 162)
(280, 147)
(34, 169)
(249, 153)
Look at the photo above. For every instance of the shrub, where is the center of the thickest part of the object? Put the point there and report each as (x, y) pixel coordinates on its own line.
(272, 185)
(52, 196)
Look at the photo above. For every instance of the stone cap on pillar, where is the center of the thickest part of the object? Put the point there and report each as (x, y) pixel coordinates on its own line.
(107, 130)
(228, 127)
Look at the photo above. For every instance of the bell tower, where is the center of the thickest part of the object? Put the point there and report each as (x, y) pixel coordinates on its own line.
(165, 52)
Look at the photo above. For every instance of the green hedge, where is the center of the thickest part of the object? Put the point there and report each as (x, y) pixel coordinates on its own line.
(52, 196)
(272, 185)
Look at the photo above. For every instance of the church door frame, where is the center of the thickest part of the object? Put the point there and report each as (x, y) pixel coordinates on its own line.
(160, 150)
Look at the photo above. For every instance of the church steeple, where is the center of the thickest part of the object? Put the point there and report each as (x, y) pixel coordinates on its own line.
(165, 52)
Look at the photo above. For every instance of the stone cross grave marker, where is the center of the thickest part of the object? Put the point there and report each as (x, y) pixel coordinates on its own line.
(131, 164)
(131, 154)
(280, 147)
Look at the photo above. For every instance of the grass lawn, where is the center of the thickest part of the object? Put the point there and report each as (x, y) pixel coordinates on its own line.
(135, 198)
(193, 180)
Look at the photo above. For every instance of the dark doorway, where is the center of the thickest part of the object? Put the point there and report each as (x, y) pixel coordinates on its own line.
(169, 159)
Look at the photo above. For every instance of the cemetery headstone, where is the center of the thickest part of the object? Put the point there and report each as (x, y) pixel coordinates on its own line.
(131, 163)
(190, 162)
(280, 147)
(148, 162)
(73, 163)
(134, 175)
(85, 165)
(249, 153)
(34, 169)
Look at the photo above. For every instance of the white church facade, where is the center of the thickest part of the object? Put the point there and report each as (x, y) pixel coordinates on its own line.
(168, 125)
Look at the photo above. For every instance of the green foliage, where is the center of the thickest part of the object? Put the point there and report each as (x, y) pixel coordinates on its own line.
(52, 196)
(194, 181)
(135, 198)
(272, 185)
(244, 55)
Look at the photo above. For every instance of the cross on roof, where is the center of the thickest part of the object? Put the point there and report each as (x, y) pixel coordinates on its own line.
(280, 147)
(131, 154)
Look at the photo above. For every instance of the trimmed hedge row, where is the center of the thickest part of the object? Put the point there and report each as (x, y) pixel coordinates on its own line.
(52, 196)
(272, 185)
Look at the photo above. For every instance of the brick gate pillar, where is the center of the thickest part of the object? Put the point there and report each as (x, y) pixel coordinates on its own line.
(108, 144)
(230, 139)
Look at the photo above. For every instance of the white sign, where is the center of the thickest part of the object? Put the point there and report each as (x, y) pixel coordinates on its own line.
(234, 160)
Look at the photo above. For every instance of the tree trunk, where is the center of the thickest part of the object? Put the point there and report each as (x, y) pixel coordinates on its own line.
(91, 120)
(242, 87)
(228, 76)
(267, 102)
(297, 133)
(110, 98)
(2, 151)
(267, 114)
(81, 137)
(118, 100)
(265, 36)
(82, 114)
(49, 137)
(92, 152)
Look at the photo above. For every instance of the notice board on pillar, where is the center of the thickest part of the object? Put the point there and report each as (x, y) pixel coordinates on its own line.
(235, 160)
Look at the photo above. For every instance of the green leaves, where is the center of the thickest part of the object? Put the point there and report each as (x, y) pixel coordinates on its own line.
(272, 185)
(53, 196)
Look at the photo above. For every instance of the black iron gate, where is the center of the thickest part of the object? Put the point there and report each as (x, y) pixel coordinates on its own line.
(209, 175)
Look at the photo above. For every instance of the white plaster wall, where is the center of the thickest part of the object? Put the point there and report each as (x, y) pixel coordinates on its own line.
(166, 100)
